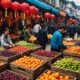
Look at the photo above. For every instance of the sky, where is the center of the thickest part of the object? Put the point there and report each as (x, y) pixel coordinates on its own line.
(76, 1)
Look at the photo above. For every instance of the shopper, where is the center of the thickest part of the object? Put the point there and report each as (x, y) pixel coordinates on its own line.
(5, 39)
(72, 30)
(57, 40)
(42, 36)
(51, 28)
(36, 28)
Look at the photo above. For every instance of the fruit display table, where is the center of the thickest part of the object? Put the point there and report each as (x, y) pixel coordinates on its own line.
(69, 66)
(52, 75)
(21, 50)
(30, 66)
(49, 56)
(10, 75)
(9, 56)
(73, 51)
(32, 46)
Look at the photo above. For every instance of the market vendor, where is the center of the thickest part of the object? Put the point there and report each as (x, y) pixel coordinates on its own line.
(5, 39)
(57, 40)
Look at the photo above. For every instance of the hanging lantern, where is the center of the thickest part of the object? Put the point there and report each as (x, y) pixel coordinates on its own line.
(70, 19)
(37, 17)
(15, 6)
(36, 11)
(47, 15)
(28, 13)
(6, 4)
(24, 6)
(32, 9)
(52, 16)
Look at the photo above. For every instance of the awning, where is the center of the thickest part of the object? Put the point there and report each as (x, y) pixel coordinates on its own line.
(54, 10)
(39, 4)
(43, 5)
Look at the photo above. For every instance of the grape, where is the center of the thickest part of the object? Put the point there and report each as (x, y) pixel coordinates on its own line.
(8, 75)
(45, 53)
(7, 53)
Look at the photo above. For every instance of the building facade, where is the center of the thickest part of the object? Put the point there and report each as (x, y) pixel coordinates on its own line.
(66, 5)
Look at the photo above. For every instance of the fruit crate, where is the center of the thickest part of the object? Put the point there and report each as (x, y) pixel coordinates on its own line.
(66, 71)
(29, 72)
(36, 48)
(72, 77)
(3, 66)
(10, 58)
(14, 73)
(71, 54)
(50, 60)
(27, 52)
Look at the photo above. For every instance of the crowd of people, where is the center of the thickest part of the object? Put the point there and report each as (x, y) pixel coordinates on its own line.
(40, 29)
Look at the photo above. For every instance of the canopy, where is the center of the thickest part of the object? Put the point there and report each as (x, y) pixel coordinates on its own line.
(39, 4)
(43, 5)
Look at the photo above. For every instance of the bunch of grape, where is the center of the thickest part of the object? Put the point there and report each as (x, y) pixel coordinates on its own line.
(7, 53)
(7, 75)
(45, 53)
(68, 64)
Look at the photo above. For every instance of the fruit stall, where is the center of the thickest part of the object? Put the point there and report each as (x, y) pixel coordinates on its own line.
(28, 61)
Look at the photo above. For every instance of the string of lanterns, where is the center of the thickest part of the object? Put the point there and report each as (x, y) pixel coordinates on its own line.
(28, 10)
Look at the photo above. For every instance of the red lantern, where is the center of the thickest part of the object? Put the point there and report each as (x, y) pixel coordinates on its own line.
(32, 9)
(52, 16)
(24, 6)
(37, 17)
(28, 13)
(36, 11)
(15, 6)
(6, 3)
(47, 15)
(70, 19)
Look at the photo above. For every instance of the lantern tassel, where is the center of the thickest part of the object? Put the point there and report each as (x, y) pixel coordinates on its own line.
(24, 15)
(5, 12)
(15, 14)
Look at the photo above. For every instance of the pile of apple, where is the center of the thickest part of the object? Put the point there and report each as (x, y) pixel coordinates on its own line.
(19, 49)
(45, 53)
(1, 49)
(8, 75)
(7, 53)
(49, 75)
(24, 43)
(28, 62)
(72, 50)
(68, 64)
